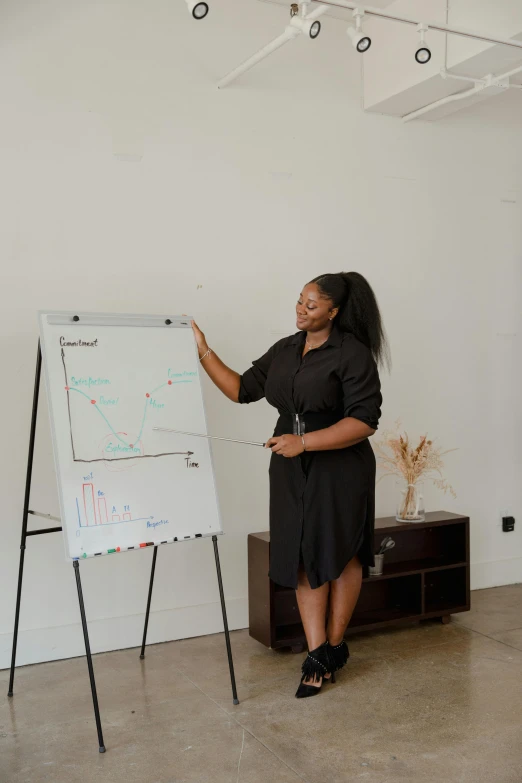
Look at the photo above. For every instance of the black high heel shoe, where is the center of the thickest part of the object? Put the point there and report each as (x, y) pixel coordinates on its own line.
(338, 654)
(317, 663)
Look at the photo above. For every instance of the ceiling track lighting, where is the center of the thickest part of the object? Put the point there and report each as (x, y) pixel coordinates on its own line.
(423, 54)
(310, 27)
(360, 41)
(198, 8)
(303, 22)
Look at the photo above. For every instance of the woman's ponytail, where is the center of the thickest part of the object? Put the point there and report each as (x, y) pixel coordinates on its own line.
(358, 310)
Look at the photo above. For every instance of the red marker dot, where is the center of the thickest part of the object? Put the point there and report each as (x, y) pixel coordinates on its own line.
(93, 402)
(170, 383)
(147, 395)
(130, 445)
(66, 388)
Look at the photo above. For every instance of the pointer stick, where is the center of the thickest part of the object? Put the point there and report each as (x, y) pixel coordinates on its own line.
(212, 437)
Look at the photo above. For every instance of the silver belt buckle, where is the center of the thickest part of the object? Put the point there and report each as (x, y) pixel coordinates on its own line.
(298, 425)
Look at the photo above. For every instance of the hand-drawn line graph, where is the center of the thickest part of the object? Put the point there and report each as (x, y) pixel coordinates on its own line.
(127, 445)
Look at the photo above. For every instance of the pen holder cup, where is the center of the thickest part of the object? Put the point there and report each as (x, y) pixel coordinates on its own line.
(376, 570)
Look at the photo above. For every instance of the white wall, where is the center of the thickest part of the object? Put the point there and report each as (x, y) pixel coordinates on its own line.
(128, 181)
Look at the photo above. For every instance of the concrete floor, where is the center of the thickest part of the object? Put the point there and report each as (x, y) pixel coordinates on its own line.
(430, 703)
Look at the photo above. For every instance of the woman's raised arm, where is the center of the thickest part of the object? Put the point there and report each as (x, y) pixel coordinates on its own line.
(227, 380)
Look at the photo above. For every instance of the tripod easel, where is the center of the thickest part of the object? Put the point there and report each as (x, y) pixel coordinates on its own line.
(76, 565)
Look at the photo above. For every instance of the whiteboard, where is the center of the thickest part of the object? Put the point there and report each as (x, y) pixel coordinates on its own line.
(110, 380)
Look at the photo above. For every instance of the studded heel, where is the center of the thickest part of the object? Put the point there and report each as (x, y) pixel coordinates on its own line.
(317, 663)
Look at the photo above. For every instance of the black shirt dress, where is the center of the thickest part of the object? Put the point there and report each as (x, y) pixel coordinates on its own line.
(322, 503)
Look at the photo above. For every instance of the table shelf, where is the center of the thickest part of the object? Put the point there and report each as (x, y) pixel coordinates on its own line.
(425, 575)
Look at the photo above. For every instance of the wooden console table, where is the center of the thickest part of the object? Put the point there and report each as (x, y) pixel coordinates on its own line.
(425, 575)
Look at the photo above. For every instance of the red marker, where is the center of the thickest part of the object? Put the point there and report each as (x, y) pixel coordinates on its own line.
(169, 382)
(66, 388)
(147, 395)
(130, 445)
(93, 402)
(143, 545)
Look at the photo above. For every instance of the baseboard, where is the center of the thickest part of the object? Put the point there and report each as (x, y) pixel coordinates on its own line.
(495, 573)
(37, 645)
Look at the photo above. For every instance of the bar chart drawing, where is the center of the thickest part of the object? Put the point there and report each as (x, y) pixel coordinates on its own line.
(96, 511)
(89, 505)
(102, 510)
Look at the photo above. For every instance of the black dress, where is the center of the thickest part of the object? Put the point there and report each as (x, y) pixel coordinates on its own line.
(322, 503)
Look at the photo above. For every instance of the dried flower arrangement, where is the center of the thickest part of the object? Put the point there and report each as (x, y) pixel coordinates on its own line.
(397, 457)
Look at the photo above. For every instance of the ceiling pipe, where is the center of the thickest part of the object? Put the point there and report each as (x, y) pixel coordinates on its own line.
(441, 28)
(448, 75)
(458, 96)
(512, 72)
(501, 81)
(293, 30)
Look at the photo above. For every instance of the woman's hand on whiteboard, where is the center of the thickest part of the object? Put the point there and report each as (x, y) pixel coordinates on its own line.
(285, 445)
(200, 339)
(228, 381)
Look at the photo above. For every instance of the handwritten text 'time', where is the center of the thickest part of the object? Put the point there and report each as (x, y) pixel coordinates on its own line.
(191, 464)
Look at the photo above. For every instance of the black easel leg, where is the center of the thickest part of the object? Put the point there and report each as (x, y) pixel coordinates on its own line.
(152, 570)
(89, 658)
(25, 512)
(225, 623)
(17, 619)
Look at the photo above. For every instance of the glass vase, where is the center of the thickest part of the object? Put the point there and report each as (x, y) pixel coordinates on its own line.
(410, 502)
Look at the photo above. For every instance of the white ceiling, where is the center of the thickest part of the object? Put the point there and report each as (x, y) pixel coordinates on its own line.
(339, 13)
(374, 3)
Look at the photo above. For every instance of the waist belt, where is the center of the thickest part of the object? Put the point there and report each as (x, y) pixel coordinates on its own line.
(300, 423)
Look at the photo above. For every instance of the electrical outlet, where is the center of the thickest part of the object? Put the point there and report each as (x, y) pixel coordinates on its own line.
(504, 512)
(508, 524)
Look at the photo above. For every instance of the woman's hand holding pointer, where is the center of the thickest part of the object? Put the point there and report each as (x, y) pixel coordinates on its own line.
(286, 445)
(342, 435)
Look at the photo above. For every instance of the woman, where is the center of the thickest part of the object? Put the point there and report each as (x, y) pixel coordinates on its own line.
(325, 384)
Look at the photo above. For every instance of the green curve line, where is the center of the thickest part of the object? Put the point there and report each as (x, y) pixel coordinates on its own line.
(106, 420)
